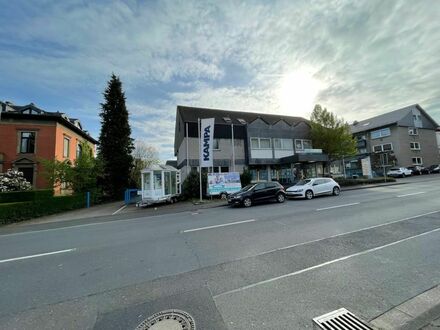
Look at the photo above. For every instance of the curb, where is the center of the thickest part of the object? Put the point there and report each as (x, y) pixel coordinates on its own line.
(414, 313)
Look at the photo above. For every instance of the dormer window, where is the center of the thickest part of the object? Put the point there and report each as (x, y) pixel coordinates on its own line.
(227, 120)
(241, 121)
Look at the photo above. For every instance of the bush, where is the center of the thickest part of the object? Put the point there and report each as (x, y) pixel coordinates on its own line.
(245, 177)
(13, 212)
(13, 180)
(352, 182)
(191, 186)
(25, 196)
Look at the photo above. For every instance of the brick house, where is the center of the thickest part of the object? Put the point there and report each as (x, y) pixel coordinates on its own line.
(29, 134)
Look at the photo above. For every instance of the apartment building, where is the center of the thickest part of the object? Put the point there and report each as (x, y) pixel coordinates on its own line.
(29, 134)
(408, 134)
(272, 147)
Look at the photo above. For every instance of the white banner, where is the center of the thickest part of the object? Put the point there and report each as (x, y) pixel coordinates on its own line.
(206, 137)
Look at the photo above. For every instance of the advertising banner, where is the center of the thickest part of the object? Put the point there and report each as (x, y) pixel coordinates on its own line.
(206, 137)
(223, 182)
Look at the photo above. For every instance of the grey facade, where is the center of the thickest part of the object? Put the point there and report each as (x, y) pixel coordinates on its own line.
(407, 134)
(273, 147)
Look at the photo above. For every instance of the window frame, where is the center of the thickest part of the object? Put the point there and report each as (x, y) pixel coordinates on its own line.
(66, 154)
(28, 144)
(414, 145)
(381, 133)
(258, 139)
(415, 162)
(382, 147)
(413, 131)
(302, 144)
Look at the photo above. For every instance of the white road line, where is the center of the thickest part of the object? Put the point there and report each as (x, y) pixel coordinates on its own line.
(337, 206)
(217, 226)
(123, 207)
(412, 194)
(37, 255)
(325, 263)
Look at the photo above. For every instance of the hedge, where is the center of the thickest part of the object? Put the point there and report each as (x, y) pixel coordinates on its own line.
(361, 181)
(13, 212)
(25, 196)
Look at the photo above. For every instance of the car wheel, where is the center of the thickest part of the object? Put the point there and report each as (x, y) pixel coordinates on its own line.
(223, 196)
(281, 198)
(336, 191)
(309, 194)
(247, 202)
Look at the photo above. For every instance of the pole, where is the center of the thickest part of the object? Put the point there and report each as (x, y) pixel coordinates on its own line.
(343, 167)
(200, 158)
(187, 151)
(233, 149)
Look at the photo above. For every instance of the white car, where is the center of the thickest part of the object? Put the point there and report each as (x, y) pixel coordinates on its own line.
(308, 188)
(399, 172)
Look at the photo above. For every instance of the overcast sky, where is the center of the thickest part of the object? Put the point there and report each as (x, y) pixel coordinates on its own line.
(357, 58)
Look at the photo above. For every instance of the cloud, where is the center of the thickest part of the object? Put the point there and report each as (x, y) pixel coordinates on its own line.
(367, 57)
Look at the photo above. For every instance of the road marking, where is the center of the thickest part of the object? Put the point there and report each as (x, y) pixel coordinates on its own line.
(123, 207)
(217, 226)
(337, 206)
(326, 263)
(412, 194)
(37, 255)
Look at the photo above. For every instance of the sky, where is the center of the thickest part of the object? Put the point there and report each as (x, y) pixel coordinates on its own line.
(356, 58)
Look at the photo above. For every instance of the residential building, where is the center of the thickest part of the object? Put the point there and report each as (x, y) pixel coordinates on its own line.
(272, 147)
(407, 136)
(29, 134)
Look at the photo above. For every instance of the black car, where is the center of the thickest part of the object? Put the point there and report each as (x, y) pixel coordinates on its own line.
(416, 170)
(258, 192)
(434, 168)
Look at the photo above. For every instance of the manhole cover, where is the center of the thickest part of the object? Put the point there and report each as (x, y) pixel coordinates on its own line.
(171, 319)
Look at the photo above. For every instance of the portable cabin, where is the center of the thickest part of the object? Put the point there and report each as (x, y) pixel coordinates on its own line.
(160, 183)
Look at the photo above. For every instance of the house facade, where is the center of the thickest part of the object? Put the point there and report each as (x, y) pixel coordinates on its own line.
(29, 134)
(406, 136)
(272, 147)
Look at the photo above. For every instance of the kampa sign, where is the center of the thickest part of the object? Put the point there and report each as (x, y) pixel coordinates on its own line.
(206, 137)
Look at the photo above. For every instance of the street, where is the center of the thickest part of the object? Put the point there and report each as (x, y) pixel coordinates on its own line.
(271, 266)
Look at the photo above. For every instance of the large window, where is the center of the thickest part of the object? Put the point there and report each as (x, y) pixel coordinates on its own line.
(261, 143)
(27, 142)
(380, 133)
(78, 150)
(66, 147)
(283, 144)
(383, 147)
(301, 145)
(417, 160)
(414, 145)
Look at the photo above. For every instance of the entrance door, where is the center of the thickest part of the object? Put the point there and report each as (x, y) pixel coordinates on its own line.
(28, 173)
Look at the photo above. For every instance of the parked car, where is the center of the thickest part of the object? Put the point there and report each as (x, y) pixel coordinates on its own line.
(309, 188)
(416, 169)
(425, 170)
(258, 192)
(434, 168)
(399, 172)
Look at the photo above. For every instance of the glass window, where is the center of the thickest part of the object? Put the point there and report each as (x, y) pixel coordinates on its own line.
(254, 143)
(413, 131)
(414, 145)
(265, 143)
(417, 160)
(287, 144)
(224, 169)
(157, 180)
(27, 142)
(380, 133)
(66, 149)
(259, 186)
(277, 143)
(78, 150)
(215, 144)
(387, 147)
(299, 145)
(147, 181)
(377, 148)
(307, 144)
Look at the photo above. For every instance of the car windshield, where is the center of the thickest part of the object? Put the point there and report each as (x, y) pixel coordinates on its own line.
(303, 182)
(248, 187)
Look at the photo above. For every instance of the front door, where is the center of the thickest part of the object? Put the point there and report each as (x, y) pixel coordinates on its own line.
(28, 173)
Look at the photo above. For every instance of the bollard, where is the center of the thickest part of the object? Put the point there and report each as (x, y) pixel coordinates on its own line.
(88, 199)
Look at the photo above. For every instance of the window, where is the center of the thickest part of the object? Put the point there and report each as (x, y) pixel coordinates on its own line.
(277, 143)
(413, 131)
(78, 150)
(301, 145)
(417, 117)
(215, 144)
(383, 147)
(414, 145)
(241, 121)
(380, 133)
(227, 120)
(224, 169)
(265, 144)
(157, 180)
(284, 144)
(66, 149)
(417, 160)
(260, 143)
(27, 142)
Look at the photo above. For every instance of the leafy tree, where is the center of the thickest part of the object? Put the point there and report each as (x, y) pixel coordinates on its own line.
(56, 172)
(83, 175)
(144, 156)
(331, 134)
(245, 177)
(191, 185)
(115, 143)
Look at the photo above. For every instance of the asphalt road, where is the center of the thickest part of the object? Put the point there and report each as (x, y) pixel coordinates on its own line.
(273, 266)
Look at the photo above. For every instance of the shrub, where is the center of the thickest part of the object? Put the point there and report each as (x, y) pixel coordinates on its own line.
(191, 186)
(13, 212)
(25, 196)
(245, 177)
(13, 180)
(352, 182)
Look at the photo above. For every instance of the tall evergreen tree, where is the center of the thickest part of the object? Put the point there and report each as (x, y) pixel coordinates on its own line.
(115, 144)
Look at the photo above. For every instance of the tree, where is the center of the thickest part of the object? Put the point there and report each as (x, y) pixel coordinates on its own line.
(191, 185)
(56, 172)
(246, 177)
(83, 175)
(144, 156)
(331, 134)
(115, 143)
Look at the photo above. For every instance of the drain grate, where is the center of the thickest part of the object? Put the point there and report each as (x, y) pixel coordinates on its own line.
(340, 319)
(172, 319)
